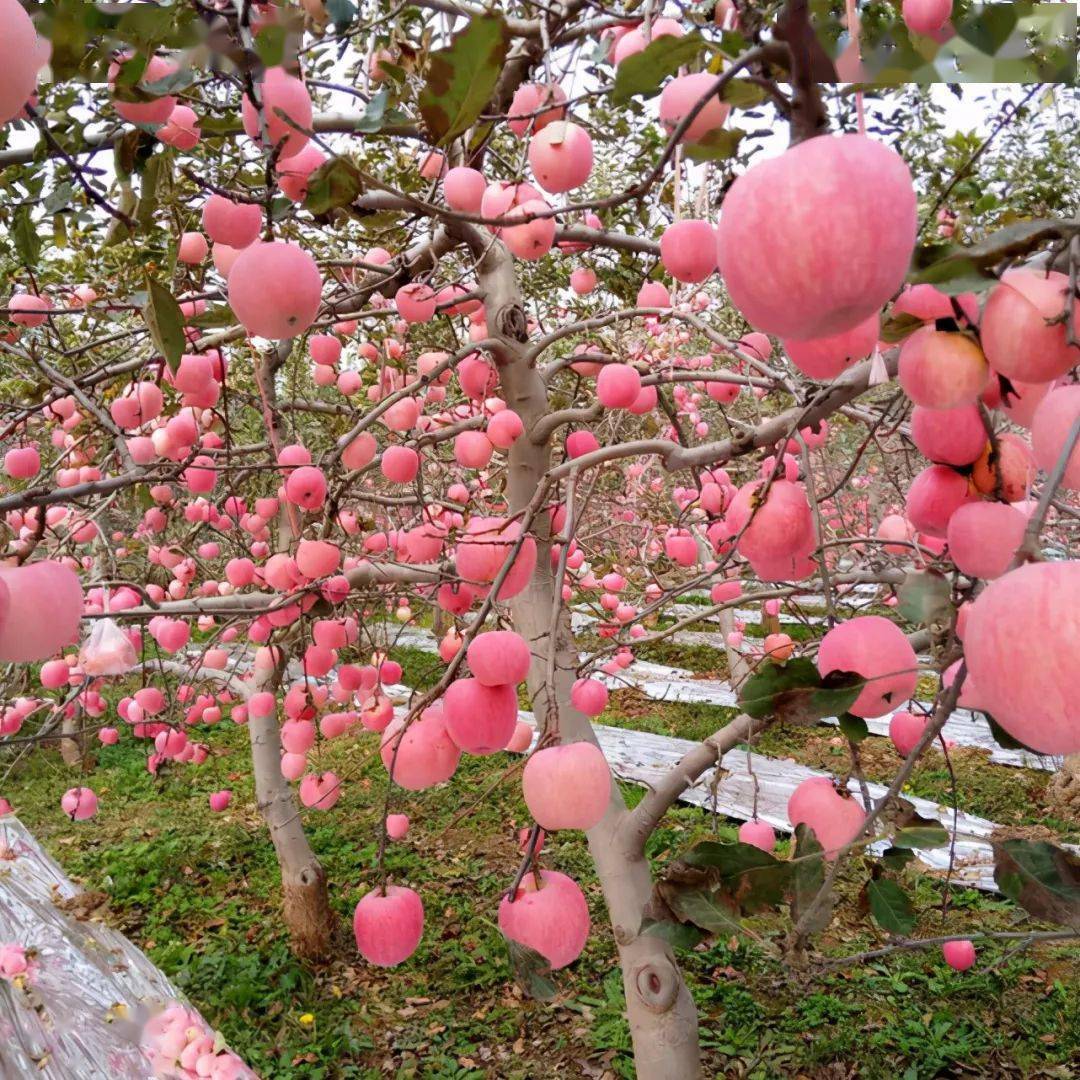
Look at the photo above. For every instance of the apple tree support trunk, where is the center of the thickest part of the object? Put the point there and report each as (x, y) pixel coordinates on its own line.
(662, 1015)
(305, 902)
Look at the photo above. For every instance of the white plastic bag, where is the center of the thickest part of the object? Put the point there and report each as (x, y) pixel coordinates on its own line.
(107, 651)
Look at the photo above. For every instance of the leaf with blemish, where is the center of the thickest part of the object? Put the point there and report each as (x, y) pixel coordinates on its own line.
(461, 77)
(915, 831)
(750, 878)
(1042, 878)
(795, 692)
(706, 909)
(335, 183)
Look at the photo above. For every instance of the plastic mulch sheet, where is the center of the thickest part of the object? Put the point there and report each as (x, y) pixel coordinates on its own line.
(78, 1013)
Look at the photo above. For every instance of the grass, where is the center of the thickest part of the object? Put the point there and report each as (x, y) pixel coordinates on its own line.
(198, 892)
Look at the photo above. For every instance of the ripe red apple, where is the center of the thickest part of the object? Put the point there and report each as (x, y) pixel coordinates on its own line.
(940, 370)
(827, 357)
(388, 925)
(568, 786)
(480, 719)
(813, 242)
(1021, 642)
(876, 649)
(836, 820)
(551, 918)
(1022, 330)
(427, 755)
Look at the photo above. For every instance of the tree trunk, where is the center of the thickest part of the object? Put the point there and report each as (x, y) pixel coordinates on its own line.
(738, 667)
(305, 902)
(661, 1013)
(73, 746)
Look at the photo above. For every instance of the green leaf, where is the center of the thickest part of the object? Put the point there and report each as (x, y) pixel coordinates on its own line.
(165, 322)
(214, 318)
(922, 833)
(270, 45)
(677, 935)
(890, 906)
(69, 25)
(24, 233)
(732, 43)
(895, 858)
(1042, 878)
(797, 693)
(157, 179)
(643, 73)
(132, 151)
(1020, 238)
(954, 275)
(531, 970)
(962, 269)
(225, 124)
(898, 327)
(59, 198)
(131, 71)
(461, 77)
(372, 120)
(703, 908)
(341, 12)
(989, 26)
(335, 183)
(718, 145)
(854, 727)
(151, 25)
(924, 597)
(742, 94)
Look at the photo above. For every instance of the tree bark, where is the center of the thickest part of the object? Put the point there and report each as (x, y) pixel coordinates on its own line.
(306, 905)
(74, 750)
(305, 902)
(662, 1016)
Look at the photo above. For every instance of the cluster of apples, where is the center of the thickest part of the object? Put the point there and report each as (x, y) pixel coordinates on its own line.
(180, 1045)
(564, 786)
